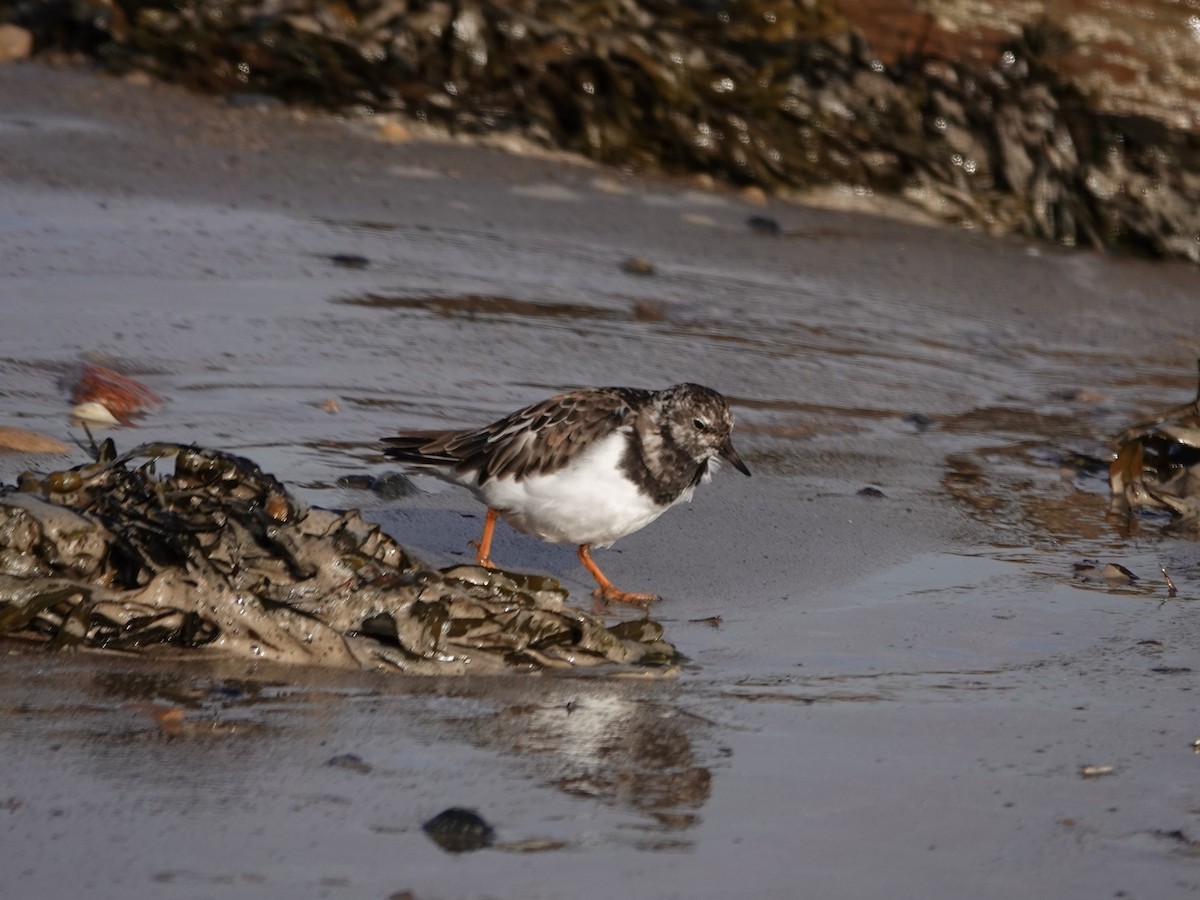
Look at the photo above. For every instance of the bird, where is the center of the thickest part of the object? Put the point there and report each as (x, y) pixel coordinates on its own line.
(586, 467)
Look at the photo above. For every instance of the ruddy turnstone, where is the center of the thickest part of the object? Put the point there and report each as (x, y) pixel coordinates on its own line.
(587, 467)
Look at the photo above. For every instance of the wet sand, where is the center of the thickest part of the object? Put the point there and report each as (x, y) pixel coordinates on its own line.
(902, 691)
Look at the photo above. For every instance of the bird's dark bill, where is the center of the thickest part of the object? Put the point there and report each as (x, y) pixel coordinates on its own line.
(727, 452)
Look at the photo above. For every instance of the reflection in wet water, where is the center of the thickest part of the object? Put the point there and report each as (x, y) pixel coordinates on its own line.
(621, 744)
(1050, 510)
(620, 751)
(141, 729)
(609, 743)
(1045, 503)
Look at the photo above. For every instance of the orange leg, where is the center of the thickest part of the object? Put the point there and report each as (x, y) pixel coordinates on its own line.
(483, 547)
(607, 590)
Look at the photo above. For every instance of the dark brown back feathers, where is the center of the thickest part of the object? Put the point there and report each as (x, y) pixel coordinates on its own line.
(537, 440)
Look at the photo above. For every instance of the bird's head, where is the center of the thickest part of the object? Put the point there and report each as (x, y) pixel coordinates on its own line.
(701, 424)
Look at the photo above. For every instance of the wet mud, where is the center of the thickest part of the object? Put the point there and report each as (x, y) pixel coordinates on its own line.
(935, 687)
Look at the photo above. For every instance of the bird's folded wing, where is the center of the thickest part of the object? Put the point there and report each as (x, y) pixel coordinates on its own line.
(537, 440)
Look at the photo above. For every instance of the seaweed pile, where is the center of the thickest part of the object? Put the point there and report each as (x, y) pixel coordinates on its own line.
(777, 94)
(218, 557)
(1157, 466)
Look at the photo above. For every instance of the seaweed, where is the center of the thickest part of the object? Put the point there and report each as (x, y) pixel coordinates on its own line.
(1157, 467)
(216, 556)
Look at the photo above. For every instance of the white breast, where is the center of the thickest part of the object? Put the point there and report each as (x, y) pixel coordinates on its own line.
(589, 501)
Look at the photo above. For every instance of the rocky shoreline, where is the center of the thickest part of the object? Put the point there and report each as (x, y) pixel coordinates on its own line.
(782, 97)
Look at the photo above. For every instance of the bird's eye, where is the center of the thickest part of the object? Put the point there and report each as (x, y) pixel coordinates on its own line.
(699, 424)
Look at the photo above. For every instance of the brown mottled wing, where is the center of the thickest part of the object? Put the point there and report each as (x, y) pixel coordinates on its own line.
(536, 440)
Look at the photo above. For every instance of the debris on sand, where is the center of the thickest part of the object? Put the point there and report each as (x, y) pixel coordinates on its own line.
(22, 440)
(218, 557)
(101, 395)
(1158, 466)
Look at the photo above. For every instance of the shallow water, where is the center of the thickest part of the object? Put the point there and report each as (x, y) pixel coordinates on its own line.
(885, 695)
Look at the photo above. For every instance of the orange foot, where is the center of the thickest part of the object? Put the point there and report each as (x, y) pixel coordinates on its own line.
(483, 546)
(607, 591)
(614, 594)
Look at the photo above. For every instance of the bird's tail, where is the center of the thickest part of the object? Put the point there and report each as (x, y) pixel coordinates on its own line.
(419, 448)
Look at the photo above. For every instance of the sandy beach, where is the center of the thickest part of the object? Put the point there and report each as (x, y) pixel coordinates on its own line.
(910, 692)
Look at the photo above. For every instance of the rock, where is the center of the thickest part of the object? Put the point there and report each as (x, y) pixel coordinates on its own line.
(637, 265)
(394, 133)
(646, 310)
(764, 225)
(15, 43)
(389, 486)
(919, 421)
(351, 761)
(802, 100)
(458, 830)
(754, 194)
(30, 441)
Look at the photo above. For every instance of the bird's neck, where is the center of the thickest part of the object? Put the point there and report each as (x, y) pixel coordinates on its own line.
(660, 467)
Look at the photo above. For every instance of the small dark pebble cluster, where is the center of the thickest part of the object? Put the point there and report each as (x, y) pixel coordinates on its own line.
(757, 92)
(389, 486)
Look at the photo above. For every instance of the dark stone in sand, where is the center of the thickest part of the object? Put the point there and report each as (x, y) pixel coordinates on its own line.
(458, 830)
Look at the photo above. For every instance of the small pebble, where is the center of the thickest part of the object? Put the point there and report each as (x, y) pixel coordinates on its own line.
(638, 265)
(394, 133)
(918, 420)
(351, 761)
(754, 194)
(389, 486)
(764, 225)
(15, 43)
(458, 830)
(648, 311)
